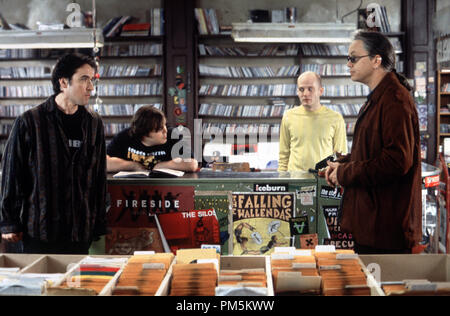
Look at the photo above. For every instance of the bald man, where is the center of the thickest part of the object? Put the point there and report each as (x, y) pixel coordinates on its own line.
(310, 132)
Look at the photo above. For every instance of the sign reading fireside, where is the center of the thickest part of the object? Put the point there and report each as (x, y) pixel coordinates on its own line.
(132, 205)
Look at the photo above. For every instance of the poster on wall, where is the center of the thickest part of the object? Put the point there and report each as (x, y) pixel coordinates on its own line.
(131, 206)
(261, 222)
(337, 238)
(221, 203)
(125, 240)
(190, 229)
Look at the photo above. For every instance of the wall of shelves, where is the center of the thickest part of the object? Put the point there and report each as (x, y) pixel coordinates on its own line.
(443, 108)
(252, 80)
(253, 86)
(131, 70)
(327, 59)
(177, 49)
(131, 75)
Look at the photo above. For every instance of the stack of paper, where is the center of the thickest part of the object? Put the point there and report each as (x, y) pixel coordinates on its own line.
(341, 274)
(295, 271)
(194, 280)
(243, 278)
(143, 274)
(195, 273)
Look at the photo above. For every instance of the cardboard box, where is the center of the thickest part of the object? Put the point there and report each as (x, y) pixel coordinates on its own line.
(309, 284)
(184, 256)
(434, 268)
(68, 264)
(17, 260)
(163, 289)
(228, 263)
(249, 262)
(53, 264)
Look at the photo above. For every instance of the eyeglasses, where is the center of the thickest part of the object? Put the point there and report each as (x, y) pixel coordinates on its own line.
(354, 59)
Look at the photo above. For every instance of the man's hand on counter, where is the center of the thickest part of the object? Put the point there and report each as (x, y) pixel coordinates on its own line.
(115, 164)
(331, 173)
(12, 237)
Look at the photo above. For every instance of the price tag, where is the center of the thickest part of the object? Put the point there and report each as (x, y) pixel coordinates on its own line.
(141, 253)
(325, 248)
(304, 265)
(282, 256)
(302, 252)
(153, 266)
(431, 181)
(284, 249)
(343, 256)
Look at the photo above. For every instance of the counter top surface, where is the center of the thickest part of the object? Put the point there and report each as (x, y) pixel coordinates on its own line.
(207, 175)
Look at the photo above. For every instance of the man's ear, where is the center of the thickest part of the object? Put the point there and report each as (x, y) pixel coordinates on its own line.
(321, 90)
(378, 60)
(63, 83)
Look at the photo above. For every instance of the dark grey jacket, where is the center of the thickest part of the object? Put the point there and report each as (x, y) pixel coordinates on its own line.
(47, 193)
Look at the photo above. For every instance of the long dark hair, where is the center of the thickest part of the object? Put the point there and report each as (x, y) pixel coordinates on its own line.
(377, 44)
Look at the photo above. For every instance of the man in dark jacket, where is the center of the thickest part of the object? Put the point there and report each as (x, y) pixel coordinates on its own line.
(381, 177)
(54, 168)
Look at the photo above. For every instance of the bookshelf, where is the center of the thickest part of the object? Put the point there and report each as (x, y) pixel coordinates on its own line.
(25, 76)
(244, 87)
(443, 106)
(131, 75)
(233, 77)
(251, 85)
(131, 72)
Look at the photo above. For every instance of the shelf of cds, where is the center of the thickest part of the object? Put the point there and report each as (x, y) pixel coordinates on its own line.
(443, 106)
(131, 75)
(246, 88)
(237, 82)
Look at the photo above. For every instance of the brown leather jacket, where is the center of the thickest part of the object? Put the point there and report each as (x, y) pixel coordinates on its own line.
(381, 176)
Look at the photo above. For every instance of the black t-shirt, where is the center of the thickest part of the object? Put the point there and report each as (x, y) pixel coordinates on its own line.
(71, 125)
(72, 129)
(129, 148)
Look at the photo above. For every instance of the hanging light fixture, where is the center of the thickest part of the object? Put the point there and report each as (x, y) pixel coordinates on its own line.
(327, 32)
(67, 38)
(76, 37)
(293, 33)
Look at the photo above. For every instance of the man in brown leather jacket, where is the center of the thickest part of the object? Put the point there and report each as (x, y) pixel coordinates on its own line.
(381, 177)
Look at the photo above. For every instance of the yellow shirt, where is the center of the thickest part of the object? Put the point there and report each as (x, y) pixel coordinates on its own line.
(308, 137)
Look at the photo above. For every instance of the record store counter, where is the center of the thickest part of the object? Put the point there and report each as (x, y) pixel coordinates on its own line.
(239, 200)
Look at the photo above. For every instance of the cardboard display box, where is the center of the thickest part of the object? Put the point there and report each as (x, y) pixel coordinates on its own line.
(162, 289)
(11, 260)
(304, 272)
(229, 263)
(53, 264)
(422, 274)
(430, 273)
(249, 262)
(73, 265)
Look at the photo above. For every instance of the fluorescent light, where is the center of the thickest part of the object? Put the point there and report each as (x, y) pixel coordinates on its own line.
(68, 38)
(293, 33)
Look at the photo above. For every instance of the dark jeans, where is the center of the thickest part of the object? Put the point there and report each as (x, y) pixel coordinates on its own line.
(64, 248)
(366, 250)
